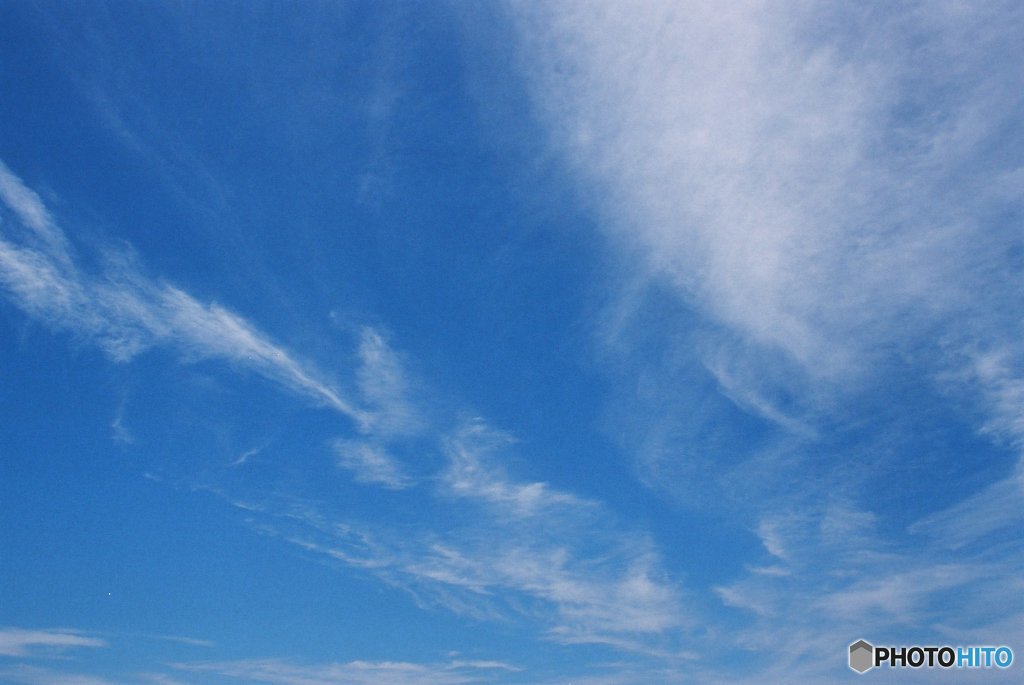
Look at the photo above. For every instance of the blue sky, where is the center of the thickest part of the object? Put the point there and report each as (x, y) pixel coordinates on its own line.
(547, 343)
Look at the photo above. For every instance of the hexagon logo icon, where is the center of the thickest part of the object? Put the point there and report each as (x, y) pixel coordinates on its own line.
(862, 656)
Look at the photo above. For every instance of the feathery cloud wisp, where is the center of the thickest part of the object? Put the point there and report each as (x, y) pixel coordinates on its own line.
(24, 642)
(780, 176)
(525, 549)
(355, 672)
(370, 463)
(125, 312)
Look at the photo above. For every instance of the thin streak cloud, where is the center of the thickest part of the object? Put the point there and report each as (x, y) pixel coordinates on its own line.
(125, 312)
(25, 642)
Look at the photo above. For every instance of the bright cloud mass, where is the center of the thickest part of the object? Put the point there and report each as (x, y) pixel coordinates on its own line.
(510, 343)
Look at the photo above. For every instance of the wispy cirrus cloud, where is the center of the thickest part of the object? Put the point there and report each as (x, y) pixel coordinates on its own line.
(519, 550)
(802, 184)
(33, 214)
(370, 463)
(626, 595)
(124, 311)
(35, 644)
(26, 642)
(24, 674)
(999, 508)
(474, 472)
(811, 183)
(24, 650)
(391, 415)
(280, 672)
(385, 387)
(811, 225)
(529, 550)
(832, 577)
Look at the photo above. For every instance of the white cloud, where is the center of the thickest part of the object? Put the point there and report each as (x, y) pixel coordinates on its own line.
(898, 598)
(532, 548)
(841, 580)
(125, 312)
(768, 531)
(32, 213)
(998, 507)
(370, 463)
(160, 679)
(813, 184)
(23, 674)
(385, 387)
(249, 454)
(473, 472)
(25, 642)
(530, 541)
(181, 639)
(484, 665)
(518, 550)
(818, 190)
(773, 172)
(351, 673)
(998, 372)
